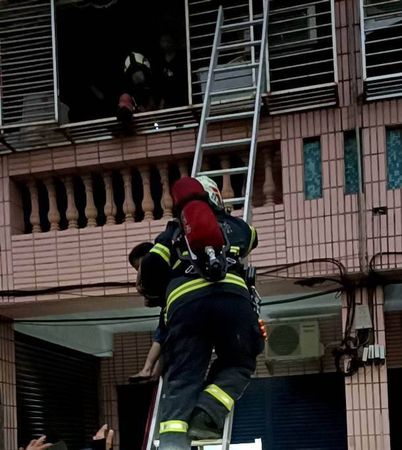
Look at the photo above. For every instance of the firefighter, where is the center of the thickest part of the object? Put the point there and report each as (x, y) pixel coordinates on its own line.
(202, 316)
(137, 95)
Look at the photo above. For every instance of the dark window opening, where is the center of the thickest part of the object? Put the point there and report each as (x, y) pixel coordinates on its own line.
(80, 201)
(138, 193)
(99, 198)
(118, 194)
(43, 207)
(98, 56)
(61, 199)
(156, 193)
(26, 206)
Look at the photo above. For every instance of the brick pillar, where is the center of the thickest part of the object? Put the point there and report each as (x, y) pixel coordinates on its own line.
(367, 391)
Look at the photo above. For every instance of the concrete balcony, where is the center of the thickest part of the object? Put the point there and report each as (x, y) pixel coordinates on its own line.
(75, 226)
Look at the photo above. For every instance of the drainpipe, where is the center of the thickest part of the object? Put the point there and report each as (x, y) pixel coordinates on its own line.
(356, 116)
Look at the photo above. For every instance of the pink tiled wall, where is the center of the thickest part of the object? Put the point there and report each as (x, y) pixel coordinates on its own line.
(96, 255)
(367, 391)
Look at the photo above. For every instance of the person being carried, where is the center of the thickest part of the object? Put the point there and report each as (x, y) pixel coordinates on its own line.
(201, 315)
(152, 368)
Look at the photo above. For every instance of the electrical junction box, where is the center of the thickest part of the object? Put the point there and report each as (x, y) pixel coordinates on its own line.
(363, 318)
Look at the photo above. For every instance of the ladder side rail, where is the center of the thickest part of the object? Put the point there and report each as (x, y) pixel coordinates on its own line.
(155, 416)
(252, 37)
(256, 120)
(202, 131)
(227, 431)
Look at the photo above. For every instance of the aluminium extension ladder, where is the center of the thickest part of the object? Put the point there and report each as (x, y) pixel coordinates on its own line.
(216, 109)
(212, 104)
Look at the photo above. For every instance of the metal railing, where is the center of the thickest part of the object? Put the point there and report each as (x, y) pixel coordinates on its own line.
(381, 36)
(28, 64)
(202, 21)
(34, 137)
(302, 55)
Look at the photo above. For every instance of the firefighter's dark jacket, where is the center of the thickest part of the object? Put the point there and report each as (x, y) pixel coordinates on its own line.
(164, 274)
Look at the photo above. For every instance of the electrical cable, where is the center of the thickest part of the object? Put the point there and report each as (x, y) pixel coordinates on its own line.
(149, 317)
(380, 254)
(57, 289)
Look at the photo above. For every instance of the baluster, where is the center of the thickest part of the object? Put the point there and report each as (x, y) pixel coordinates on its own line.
(110, 205)
(128, 204)
(71, 211)
(147, 201)
(277, 169)
(34, 218)
(183, 168)
(167, 202)
(91, 213)
(227, 190)
(53, 214)
(269, 185)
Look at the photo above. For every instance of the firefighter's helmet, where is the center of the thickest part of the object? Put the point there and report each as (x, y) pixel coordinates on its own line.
(211, 188)
(136, 61)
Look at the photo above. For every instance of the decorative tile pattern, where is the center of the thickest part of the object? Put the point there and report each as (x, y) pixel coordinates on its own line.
(312, 169)
(351, 163)
(394, 158)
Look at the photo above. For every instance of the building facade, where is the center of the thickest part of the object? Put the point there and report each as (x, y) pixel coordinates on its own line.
(77, 195)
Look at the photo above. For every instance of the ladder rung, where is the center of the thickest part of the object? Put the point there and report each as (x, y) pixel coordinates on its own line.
(220, 172)
(197, 443)
(236, 67)
(206, 442)
(234, 91)
(239, 25)
(232, 116)
(234, 201)
(225, 144)
(239, 45)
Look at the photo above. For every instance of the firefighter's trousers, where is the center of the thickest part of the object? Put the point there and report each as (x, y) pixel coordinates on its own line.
(225, 322)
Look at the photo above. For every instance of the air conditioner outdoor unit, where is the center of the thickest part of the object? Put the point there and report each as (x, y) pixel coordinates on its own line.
(293, 340)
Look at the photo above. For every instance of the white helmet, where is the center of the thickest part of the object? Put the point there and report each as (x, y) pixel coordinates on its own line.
(211, 188)
(136, 59)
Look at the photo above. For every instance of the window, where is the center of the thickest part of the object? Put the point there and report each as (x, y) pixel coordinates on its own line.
(295, 27)
(394, 158)
(381, 48)
(109, 48)
(312, 168)
(351, 162)
(302, 53)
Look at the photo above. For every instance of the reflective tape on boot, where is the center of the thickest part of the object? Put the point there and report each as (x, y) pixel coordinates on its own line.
(173, 426)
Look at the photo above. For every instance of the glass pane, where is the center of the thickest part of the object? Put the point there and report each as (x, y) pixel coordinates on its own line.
(394, 158)
(351, 163)
(312, 169)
